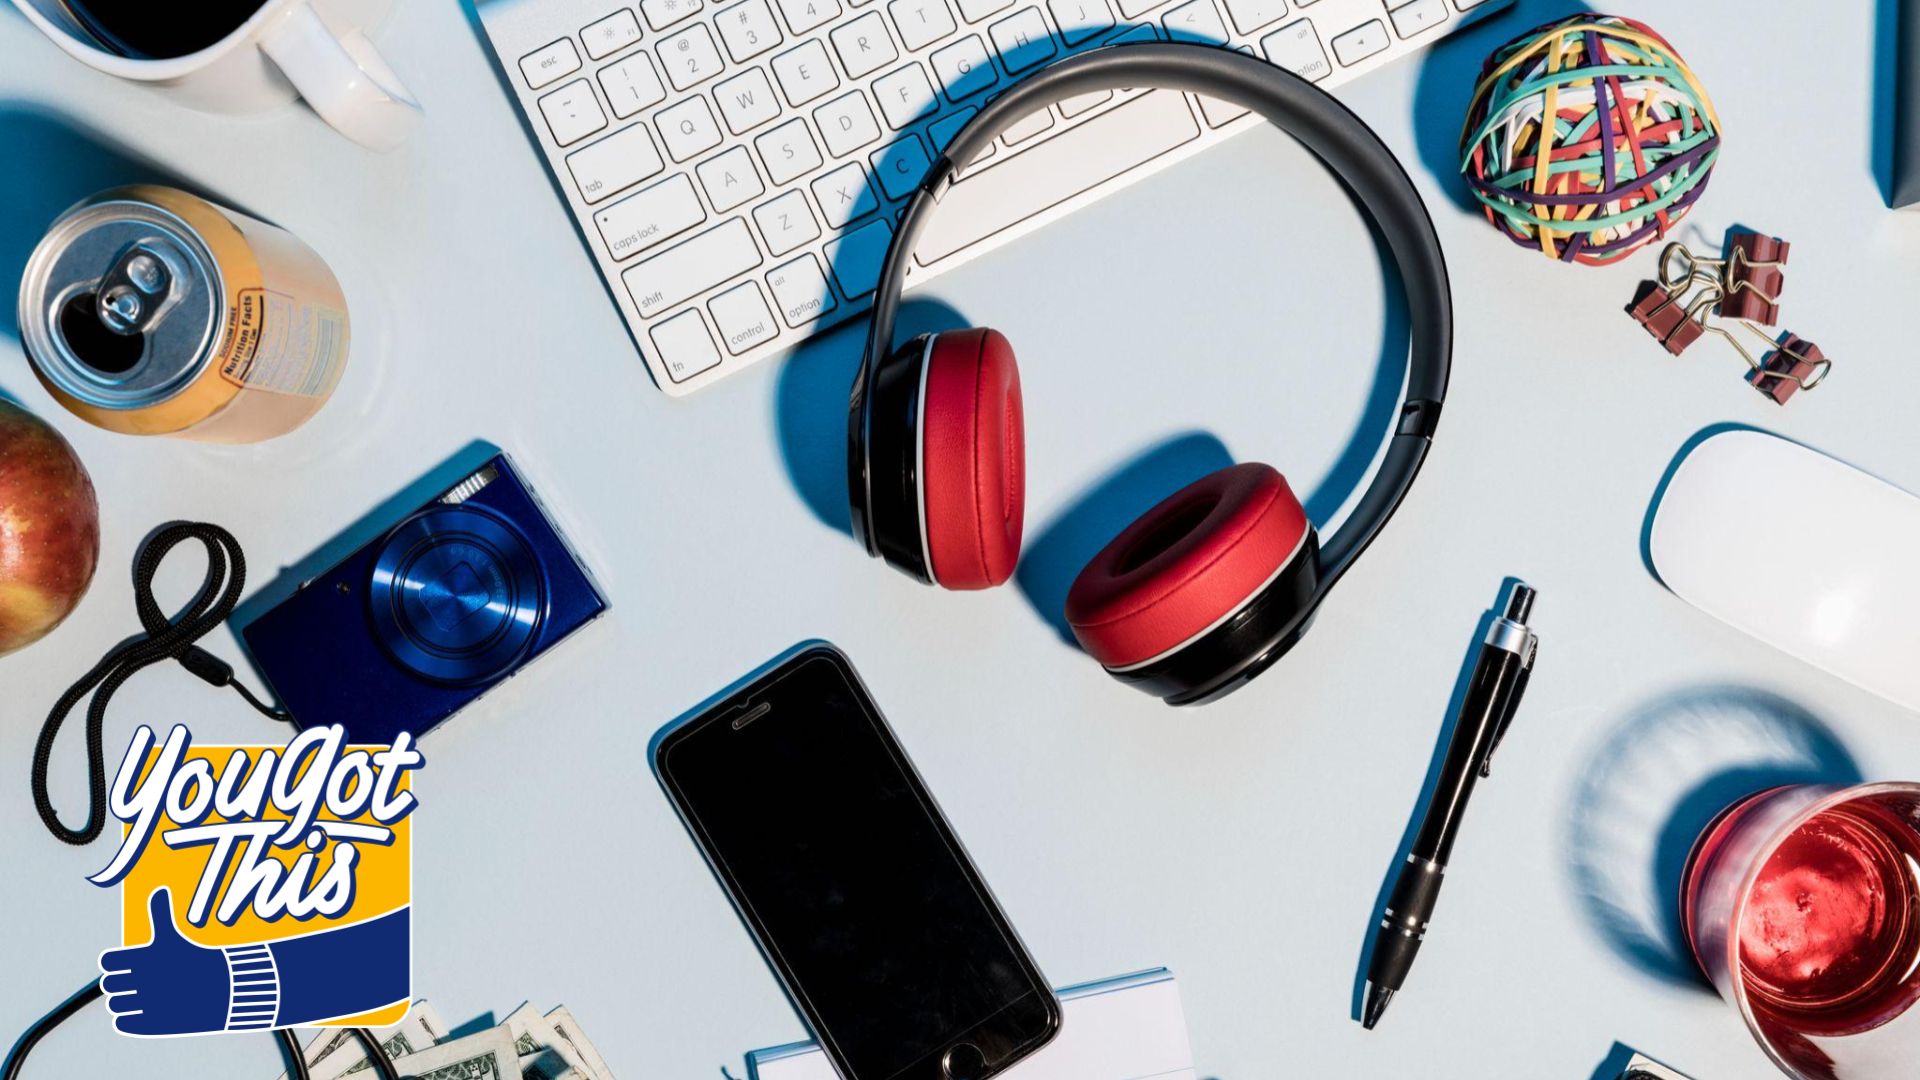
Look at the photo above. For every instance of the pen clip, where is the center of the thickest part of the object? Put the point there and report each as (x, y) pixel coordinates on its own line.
(1513, 703)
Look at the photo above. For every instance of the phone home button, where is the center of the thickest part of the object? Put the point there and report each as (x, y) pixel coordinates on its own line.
(964, 1062)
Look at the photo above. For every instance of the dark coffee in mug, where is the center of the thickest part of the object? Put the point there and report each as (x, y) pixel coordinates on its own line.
(160, 29)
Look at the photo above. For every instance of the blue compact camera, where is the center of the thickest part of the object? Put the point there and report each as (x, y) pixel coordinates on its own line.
(411, 628)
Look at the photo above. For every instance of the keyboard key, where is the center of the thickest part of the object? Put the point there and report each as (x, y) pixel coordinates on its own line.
(664, 13)
(692, 267)
(1144, 32)
(649, 217)
(555, 61)
(921, 22)
(611, 34)
(1363, 41)
(747, 101)
(800, 290)
(1196, 20)
(1094, 151)
(900, 166)
(748, 29)
(1022, 39)
(863, 45)
(805, 73)
(1027, 127)
(856, 258)
(786, 223)
(844, 194)
(1133, 9)
(1220, 113)
(683, 345)
(804, 15)
(904, 95)
(689, 56)
(945, 128)
(687, 128)
(846, 123)
(1296, 47)
(741, 316)
(1418, 16)
(615, 163)
(631, 85)
(1251, 15)
(572, 112)
(1080, 103)
(975, 10)
(1080, 19)
(963, 67)
(730, 179)
(788, 151)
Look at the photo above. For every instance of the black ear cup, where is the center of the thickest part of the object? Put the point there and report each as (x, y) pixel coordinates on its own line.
(883, 468)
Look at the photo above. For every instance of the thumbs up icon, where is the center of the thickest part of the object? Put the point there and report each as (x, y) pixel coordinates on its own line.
(171, 986)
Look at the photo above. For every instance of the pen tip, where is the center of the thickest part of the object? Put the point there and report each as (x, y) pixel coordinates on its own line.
(1377, 999)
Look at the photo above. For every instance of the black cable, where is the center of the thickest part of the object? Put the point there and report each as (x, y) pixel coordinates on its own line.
(164, 640)
(33, 1035)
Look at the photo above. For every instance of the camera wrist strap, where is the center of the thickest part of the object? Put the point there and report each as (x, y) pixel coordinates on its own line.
(164, 640)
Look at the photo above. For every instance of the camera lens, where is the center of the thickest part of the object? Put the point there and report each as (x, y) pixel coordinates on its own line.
(456, 594)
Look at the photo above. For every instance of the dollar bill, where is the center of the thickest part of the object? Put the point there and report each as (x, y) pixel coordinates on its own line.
(335, 1051)
(484, 1055)
(569, 1030)
(544, 1055)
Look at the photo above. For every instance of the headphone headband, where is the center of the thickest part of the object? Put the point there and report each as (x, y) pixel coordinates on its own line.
(1321, 123)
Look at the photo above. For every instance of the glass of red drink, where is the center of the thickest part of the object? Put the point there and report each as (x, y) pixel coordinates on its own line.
(1802, 904)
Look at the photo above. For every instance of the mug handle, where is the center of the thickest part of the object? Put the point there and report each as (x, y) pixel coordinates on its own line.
(344, 79)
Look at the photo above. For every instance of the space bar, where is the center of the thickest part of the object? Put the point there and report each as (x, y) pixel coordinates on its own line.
(1048, 174)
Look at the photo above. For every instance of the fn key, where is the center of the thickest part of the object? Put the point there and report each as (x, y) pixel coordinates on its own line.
(683, 345)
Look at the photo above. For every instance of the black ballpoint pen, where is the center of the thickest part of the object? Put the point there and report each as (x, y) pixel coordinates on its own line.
(1493, 695)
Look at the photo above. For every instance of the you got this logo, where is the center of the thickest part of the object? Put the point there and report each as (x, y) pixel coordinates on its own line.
(261, 886)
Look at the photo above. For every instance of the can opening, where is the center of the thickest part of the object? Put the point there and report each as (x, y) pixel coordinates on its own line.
(92, 343)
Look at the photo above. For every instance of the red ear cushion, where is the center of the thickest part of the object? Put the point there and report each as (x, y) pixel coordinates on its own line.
(973, 465)
(1186, 564)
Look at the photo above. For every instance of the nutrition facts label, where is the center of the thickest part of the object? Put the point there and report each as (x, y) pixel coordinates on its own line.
(273, 342)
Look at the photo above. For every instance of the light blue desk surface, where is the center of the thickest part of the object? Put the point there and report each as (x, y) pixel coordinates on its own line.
(1231, 306)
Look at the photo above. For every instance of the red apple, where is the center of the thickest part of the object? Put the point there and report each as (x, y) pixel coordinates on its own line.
(49, 528)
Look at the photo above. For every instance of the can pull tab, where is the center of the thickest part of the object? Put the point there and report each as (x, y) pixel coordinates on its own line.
(139, 289)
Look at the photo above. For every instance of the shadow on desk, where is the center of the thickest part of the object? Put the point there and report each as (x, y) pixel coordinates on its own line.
(1448, 73)
(60, 161)
(810, 405)
(1654, 784)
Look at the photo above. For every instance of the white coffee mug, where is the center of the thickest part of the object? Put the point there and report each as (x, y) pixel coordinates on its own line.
(312, 49)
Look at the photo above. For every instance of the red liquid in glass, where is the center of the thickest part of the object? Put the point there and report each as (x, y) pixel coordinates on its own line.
(1830, 936)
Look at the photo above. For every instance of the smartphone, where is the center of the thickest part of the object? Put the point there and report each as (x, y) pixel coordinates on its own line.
(860, 895)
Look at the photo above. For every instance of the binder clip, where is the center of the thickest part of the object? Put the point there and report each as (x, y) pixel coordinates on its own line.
(1678, 309)
(1674, 326)
(1749, 278)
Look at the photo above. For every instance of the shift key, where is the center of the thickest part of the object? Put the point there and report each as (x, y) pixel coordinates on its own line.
(648, 217)
(691, 268)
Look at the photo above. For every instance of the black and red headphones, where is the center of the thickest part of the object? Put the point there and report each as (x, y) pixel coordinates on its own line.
(1207, 589)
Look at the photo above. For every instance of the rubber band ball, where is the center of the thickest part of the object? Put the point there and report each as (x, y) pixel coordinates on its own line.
(1588, 139)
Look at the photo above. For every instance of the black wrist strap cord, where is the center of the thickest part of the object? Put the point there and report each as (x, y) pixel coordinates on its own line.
(164, 640)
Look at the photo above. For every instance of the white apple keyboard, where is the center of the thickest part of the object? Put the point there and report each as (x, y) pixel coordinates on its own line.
(737, 166)
(1808, 554)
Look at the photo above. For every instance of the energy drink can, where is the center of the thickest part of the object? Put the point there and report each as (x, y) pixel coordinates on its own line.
(149, 311)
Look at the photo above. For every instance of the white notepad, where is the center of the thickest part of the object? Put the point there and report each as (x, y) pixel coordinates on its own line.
(1129, 1028)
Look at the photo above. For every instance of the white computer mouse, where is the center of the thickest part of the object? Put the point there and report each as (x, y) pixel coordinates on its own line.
(1806, 553)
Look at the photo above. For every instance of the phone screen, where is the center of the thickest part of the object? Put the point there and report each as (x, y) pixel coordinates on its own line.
(840, 861)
